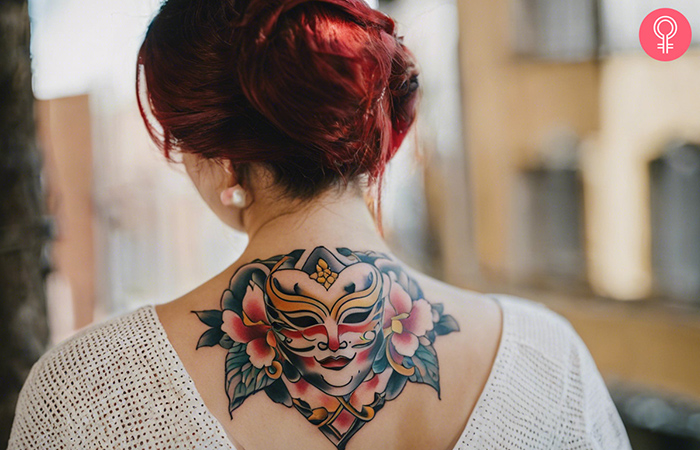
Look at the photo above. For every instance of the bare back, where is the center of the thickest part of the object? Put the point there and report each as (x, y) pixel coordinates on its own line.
(392, 406)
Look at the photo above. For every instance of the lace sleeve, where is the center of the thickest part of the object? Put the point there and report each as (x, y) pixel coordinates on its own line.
(38, 423)
(589, 419)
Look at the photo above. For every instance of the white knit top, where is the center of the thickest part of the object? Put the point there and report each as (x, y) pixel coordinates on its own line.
(120, 385)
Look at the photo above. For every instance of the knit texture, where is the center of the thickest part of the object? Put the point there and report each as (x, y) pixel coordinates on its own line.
(121, 385)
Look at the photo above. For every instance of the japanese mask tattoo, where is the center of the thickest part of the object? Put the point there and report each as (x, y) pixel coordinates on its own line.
(333, 334)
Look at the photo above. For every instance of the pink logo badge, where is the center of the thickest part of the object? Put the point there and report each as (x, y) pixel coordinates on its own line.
(665, 34)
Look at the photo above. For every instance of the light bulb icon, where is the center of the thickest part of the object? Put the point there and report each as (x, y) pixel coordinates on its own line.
(666, 36)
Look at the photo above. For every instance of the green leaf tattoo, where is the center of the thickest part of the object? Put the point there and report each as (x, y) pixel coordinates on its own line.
(351, 326)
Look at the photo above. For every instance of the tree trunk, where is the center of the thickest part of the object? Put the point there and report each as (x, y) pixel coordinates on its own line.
(24, 230)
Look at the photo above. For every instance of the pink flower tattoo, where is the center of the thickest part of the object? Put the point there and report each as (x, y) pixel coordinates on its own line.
(333, 334)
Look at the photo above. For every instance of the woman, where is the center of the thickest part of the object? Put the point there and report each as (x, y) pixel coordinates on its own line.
(285, 112)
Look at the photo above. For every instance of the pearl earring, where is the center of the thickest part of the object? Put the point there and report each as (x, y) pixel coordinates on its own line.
(234, 196)
(238, 196)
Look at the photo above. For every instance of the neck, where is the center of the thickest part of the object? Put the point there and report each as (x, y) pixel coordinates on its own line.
(332, 220)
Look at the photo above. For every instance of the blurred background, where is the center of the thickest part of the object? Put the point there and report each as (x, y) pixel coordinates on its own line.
(553, 160)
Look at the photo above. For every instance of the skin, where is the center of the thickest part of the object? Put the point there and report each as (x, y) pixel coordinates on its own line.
(331, 338)
(277, 225)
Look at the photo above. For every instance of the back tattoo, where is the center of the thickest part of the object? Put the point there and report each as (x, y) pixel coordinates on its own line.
(334, 334)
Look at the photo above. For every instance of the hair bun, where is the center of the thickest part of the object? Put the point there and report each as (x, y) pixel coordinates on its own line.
(404, 98)
(317, 70)
(318, 90)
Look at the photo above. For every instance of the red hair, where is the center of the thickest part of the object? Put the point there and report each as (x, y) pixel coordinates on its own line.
(319, 91)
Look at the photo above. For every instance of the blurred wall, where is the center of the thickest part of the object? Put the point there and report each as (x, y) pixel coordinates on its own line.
(428, 206)
(511, 107)
(64, 133)
(626, 108)
(644, 105)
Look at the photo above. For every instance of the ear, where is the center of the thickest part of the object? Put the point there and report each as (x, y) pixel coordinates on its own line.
(228, 167)
(228, 176)
(229, 186)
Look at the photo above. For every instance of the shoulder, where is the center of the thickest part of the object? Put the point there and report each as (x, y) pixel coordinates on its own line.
(532, 324)
(96, 355)
(75, 386)
(118, 384)
(544, 370)
(542, 346)
(102, 350)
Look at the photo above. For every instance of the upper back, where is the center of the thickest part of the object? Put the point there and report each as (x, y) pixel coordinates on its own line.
(127, 382)
(412, 413)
